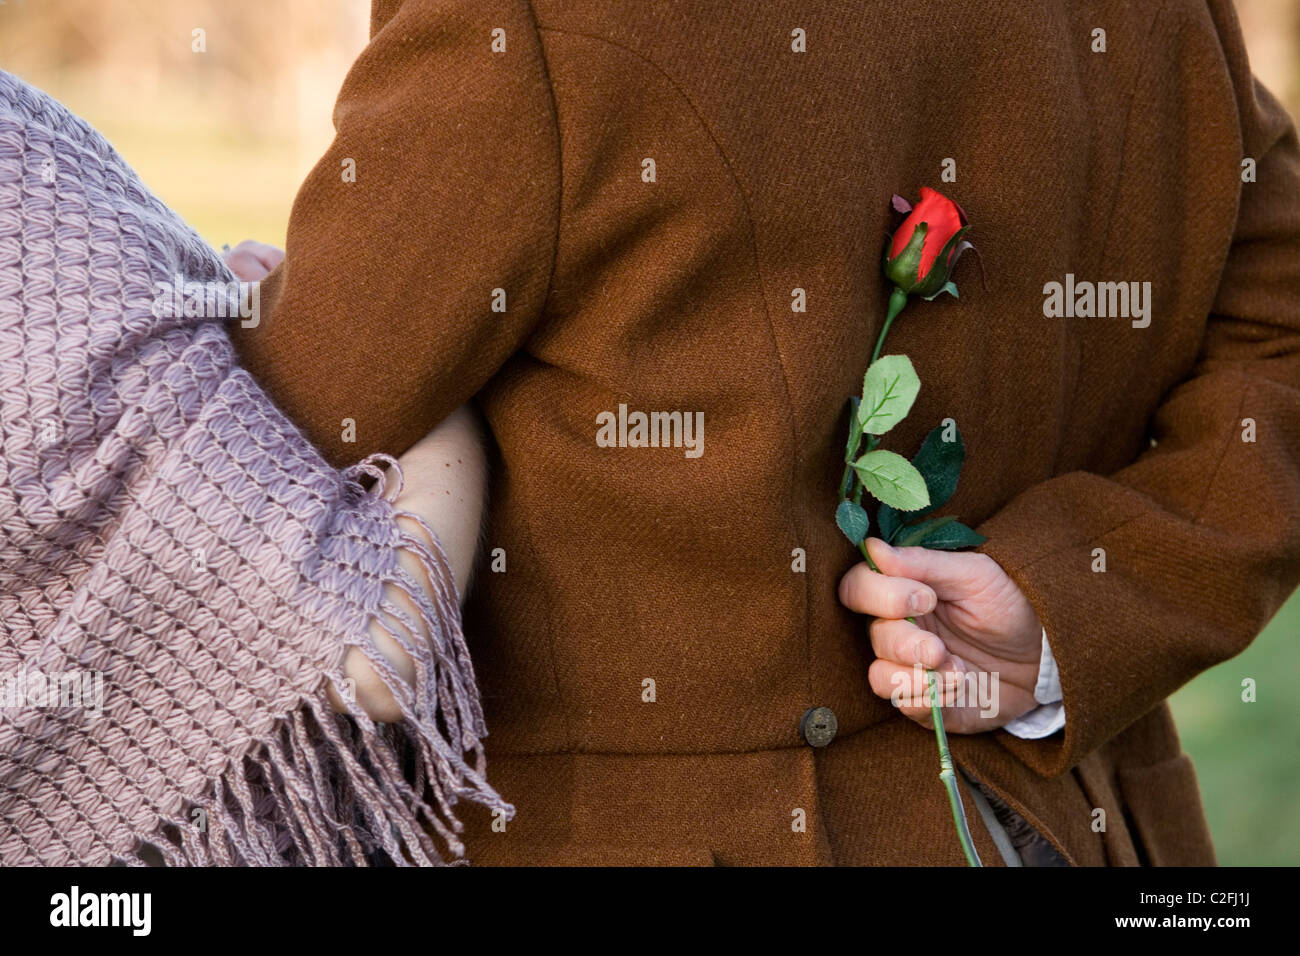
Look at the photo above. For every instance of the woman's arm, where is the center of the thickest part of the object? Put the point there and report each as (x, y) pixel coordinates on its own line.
(445, 483)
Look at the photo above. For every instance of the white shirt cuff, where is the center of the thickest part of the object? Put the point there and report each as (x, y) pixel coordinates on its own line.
(1049, 716)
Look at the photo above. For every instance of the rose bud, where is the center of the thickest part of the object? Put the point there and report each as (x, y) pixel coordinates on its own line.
(921, 255)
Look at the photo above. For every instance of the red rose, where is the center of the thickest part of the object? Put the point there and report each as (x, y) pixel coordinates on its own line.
(924, 249)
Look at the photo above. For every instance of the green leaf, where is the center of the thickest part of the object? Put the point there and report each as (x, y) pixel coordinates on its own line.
(915, 534)
(891, 478)
(940, 463)
(852, 519)
(855, 431)
(953, 536)
(888, 391)
(889, 522)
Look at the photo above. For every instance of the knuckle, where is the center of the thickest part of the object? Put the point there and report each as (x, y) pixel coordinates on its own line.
(885, 635)
(879, 630)
(878, 678)
(891, 600)
(854, 588)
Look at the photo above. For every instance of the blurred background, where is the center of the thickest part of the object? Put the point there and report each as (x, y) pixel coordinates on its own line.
(226, 138)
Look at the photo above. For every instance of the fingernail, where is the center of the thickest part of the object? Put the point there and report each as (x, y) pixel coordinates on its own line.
(920, 602)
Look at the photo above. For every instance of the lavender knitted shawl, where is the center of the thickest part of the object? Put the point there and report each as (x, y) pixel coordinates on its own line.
(176, 557)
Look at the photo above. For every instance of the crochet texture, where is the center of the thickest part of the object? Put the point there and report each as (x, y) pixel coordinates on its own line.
(165, 529)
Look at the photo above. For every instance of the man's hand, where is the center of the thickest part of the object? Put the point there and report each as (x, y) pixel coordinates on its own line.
(970, 617)
(251, 261)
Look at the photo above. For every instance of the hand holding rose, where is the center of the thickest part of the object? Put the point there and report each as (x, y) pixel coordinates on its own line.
(970, 617)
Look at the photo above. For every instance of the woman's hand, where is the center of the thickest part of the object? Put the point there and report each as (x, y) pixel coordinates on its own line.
(445, 481)
(251, 261)
(971, 619)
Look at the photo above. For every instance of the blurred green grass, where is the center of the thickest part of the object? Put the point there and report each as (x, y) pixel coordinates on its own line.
(1247, 755)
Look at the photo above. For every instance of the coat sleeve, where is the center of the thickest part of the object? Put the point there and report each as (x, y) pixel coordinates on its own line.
(1201, 534)
(420, 247)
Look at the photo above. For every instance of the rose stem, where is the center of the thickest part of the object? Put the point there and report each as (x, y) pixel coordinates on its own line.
(946, 772)
(897, 299)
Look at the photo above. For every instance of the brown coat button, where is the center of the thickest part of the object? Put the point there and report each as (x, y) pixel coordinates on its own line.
(818, 726)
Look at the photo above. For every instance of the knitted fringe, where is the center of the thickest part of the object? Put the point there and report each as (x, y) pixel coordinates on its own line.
(329, 789)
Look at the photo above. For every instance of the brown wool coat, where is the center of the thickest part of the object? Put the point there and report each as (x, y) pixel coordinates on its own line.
(522, 171)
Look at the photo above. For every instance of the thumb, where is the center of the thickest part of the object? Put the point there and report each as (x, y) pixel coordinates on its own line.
(952, 575)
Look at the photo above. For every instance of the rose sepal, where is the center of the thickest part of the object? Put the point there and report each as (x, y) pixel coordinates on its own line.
(936, 282)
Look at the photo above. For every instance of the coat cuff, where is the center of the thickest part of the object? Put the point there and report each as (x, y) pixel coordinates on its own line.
(1049, 716)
